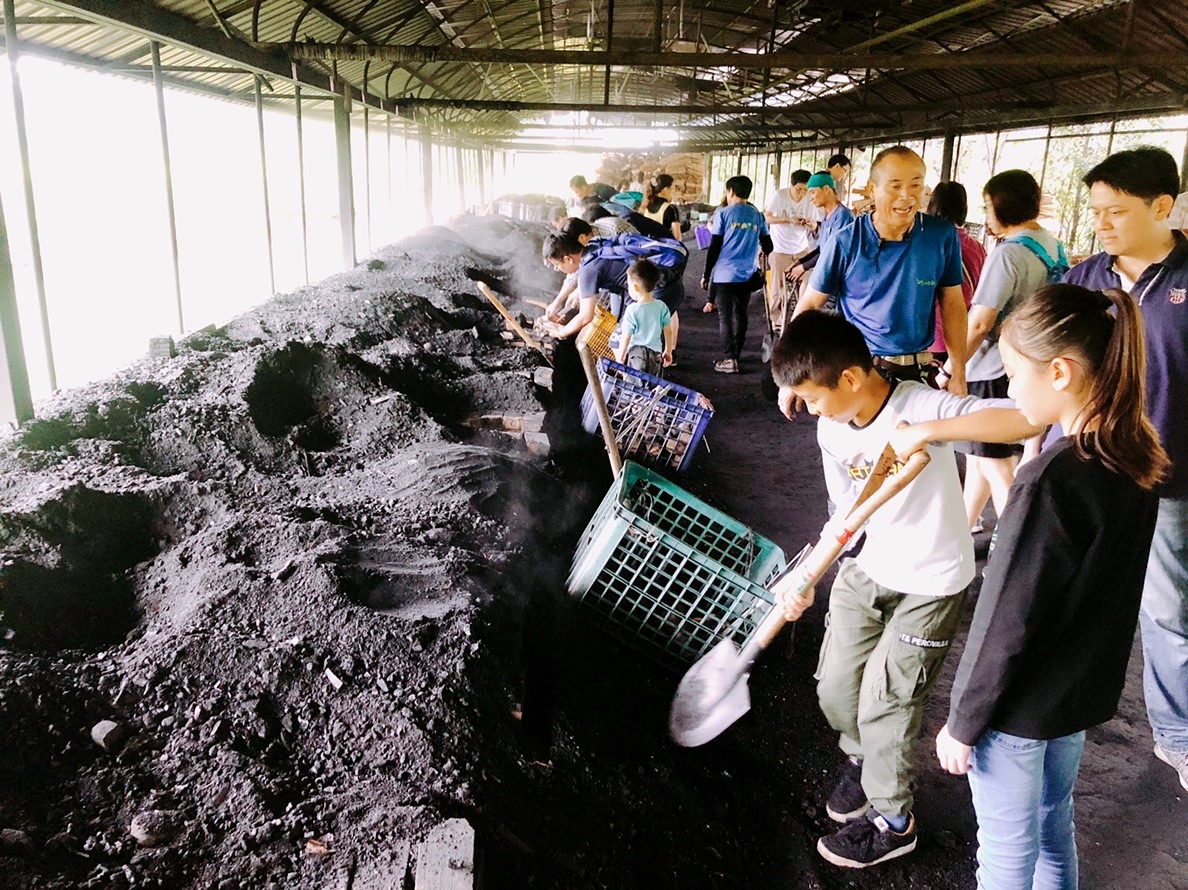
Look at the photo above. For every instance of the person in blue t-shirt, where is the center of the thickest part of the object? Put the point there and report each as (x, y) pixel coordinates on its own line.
(738, 232)
(889, 269)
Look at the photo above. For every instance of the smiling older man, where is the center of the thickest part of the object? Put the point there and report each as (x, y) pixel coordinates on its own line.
(889, 270)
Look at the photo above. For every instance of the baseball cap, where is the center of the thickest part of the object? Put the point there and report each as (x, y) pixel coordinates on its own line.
(819, 179)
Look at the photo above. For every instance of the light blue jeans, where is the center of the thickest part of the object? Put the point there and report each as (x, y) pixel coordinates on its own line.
(1163, 620)
(1022, 794)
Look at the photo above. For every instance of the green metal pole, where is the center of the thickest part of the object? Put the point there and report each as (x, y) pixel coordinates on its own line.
(15, 398)
(159, 89)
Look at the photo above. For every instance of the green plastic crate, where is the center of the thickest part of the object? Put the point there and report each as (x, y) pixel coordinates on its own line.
(668, 574)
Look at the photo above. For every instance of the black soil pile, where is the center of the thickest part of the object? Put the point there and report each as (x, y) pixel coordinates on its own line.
(263, 603)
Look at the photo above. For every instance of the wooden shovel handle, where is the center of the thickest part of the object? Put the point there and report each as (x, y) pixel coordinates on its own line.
(512, 323)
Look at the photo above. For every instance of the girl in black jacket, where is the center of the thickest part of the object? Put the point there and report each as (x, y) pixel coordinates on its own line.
(1052, 631)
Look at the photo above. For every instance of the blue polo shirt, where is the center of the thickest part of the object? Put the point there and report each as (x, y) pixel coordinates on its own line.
(841, 217)
(888, 289)
(741, 226)
(1162, 294)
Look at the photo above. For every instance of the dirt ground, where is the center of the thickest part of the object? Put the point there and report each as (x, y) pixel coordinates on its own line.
(325, 614)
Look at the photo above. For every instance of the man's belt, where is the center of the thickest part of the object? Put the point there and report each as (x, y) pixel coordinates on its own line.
(912, 358)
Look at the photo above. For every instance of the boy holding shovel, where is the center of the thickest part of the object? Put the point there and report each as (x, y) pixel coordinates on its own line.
(895, 607)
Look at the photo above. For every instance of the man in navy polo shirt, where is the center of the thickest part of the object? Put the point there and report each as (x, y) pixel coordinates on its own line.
(1131, 194)
(888, 271)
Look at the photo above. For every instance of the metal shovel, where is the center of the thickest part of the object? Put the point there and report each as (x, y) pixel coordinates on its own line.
(713, 693)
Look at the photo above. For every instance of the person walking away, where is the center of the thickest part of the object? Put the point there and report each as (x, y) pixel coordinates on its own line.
(895, 607)
(738, 231)
(646, 337)
(1052, 631)
(1025, 259)
(793, 220)
(1131, 194)
(890, 269)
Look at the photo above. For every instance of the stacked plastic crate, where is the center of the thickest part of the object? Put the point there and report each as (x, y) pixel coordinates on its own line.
(668, 574)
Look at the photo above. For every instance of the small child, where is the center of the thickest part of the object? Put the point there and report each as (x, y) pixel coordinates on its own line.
(646, 336)
(1053, 627)
(895, 607)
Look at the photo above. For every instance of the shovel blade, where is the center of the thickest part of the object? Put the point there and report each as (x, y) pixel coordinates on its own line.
(711, 696)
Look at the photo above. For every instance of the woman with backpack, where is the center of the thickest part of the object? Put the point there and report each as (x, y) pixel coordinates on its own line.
(1026, 258)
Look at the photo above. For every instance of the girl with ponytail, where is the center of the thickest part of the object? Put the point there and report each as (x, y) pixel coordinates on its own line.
(1052, 630)
(657, 205)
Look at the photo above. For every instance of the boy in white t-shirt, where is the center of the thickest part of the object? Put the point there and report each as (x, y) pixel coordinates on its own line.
(792, 219)
(645, 335)
(895, 606)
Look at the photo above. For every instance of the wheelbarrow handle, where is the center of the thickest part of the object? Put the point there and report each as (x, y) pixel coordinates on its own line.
(882, 485)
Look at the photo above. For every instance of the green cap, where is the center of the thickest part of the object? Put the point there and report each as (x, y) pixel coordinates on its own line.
(819, 179)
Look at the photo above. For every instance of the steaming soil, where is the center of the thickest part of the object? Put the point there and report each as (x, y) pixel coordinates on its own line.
(321, 614)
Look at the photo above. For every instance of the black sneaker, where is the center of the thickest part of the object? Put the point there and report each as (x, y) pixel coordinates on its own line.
(866, 842)
(848, 800)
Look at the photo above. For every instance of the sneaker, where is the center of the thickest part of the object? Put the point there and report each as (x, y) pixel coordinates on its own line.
(1176, 760)
(727, 366)
(848, 800)
(866, 842)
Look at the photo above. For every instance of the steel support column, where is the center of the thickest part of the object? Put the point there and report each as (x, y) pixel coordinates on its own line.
(12, 47)
(159, 89)
(264, 181)
(1184, 167)
(460, 163)
(480, 161)
(947, 157)
(301, 185)
(346, 198)
(367, 172)
(427, 173)
(15, 399)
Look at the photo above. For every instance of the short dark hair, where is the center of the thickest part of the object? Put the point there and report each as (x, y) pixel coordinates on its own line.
(799, 176)
(950, 202)
(816, 347)
(575, 228)
(1014, 196)
(645, 273)
(740, 185)
(556, 247)
(836, 159)
(1145, 172)
(577, 182)
(899, 151)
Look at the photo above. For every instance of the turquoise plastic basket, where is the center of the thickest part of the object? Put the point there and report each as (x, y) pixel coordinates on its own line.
(668, 574)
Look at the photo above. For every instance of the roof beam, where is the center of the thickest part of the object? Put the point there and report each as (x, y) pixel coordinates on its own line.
(155, 23)
(755, 61)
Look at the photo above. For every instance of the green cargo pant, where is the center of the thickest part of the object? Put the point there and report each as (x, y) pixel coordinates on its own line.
(881, 654)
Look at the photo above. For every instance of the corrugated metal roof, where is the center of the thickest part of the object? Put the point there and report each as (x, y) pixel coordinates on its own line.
(663, 59)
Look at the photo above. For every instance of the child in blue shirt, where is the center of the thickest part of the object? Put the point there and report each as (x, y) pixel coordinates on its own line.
(646, 334)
